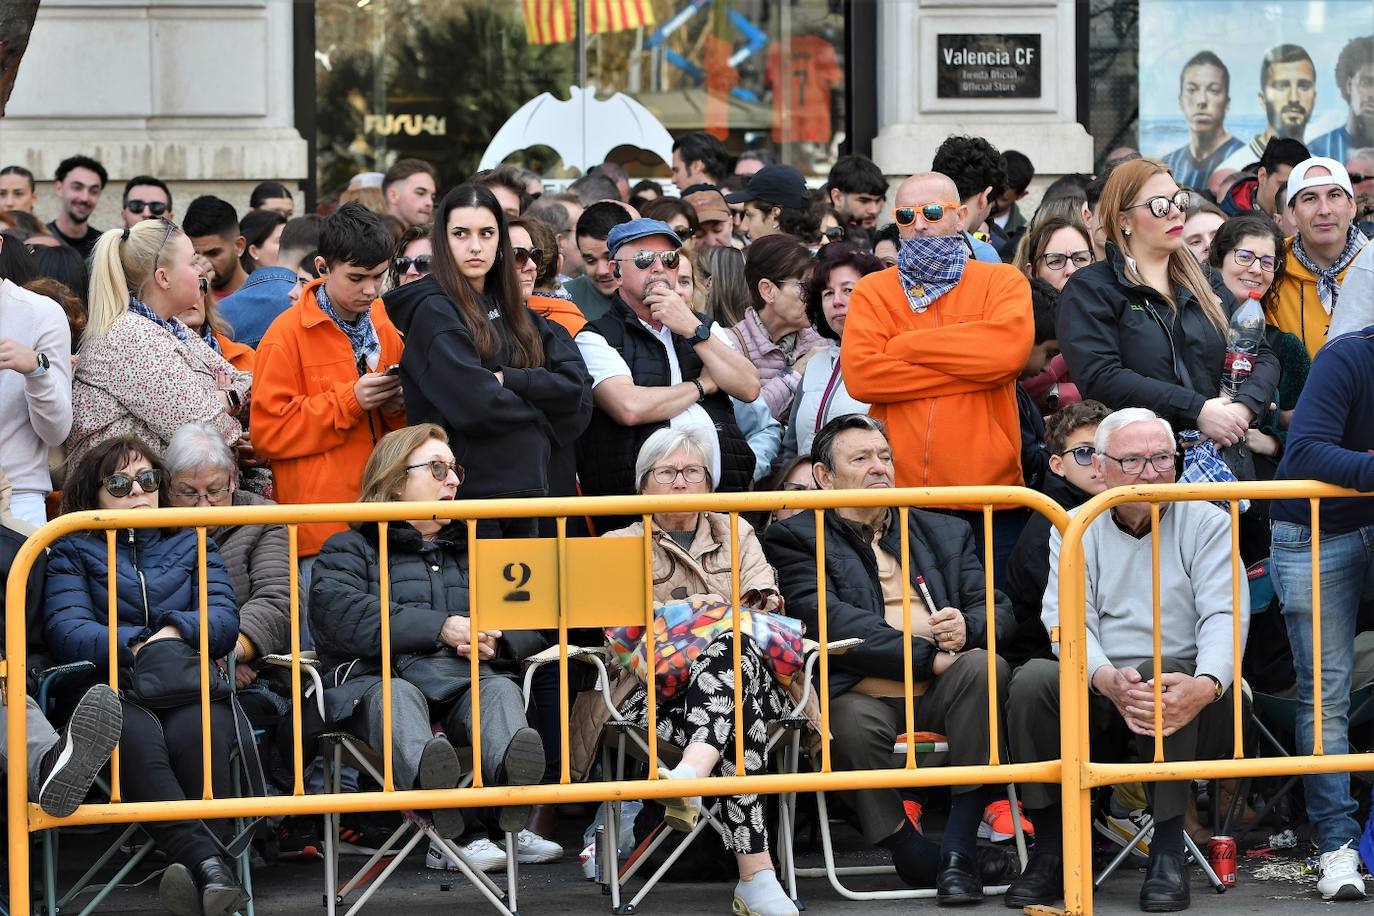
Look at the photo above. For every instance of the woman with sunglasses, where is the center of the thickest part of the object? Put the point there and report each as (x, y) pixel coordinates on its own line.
(432, 642)
(1147, 327)
(141, 371)
(503, 382)
(678, 214)
(205, 320)
(414, 254)
(1054, 249)
(692, 558)
(776, 332)
(157, 598)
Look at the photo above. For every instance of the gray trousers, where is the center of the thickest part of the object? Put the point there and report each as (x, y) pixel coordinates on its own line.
(1033, 730)
(42, 738)
(865, 728)
(503, 714)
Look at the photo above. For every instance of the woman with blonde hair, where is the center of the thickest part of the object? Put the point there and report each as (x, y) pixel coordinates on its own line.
(1147, 327)
(141, 371)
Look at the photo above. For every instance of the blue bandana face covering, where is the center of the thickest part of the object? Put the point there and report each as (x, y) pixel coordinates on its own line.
(930, 267)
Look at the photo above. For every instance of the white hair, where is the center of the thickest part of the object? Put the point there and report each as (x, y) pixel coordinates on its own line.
(1123, 418)
(668, 440)
(199, 445)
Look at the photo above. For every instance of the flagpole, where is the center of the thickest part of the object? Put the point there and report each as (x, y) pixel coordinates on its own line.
(581, 44)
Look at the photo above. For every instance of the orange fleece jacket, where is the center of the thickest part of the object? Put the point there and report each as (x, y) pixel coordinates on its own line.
(306, 418)
(944, 380)
(563, 312)
(238, 355)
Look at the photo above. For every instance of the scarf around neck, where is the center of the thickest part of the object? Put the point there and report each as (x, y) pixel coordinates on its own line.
(930, 267)
(1328, 287)
(173, 327)
(362, 336)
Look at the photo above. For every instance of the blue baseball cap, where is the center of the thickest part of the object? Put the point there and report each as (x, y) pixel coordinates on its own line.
(637, 229)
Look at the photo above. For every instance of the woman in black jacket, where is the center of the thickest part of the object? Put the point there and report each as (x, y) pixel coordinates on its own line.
(1147, 327)
(506, 385)
(431, 638)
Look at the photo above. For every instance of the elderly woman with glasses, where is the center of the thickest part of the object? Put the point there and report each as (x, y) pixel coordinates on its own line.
(432, 640)
(158, 626)
(203, 472)
(692, 558)
(1147, 327)
(141, 371)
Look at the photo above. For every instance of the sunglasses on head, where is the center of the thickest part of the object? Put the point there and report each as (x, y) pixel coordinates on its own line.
(933, 213)
(686, 233)
(421, 263)
(135, 206)
(120, 485)
(1083, 455)
(645, 259)
(440, 469)
(524, 255)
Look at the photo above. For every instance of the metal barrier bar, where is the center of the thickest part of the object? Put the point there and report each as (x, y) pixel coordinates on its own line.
(1157, 636)
(738, 660)
(990, 627)
(207, 789)
(1237, 649)
(112, 643)
(650, 648)
(823, 621)
(564, 704)
(297, 740)
(908, 676)
(474, 659)
(1318, 747)
(384, 600)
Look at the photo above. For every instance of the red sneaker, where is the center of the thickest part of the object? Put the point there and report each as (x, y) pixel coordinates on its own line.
(913, 812)
(997, 824)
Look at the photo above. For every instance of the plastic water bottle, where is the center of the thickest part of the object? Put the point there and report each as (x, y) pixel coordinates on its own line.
(1242, 344)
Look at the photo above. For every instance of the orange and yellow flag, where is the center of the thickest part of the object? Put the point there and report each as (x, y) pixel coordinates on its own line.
(555, 21)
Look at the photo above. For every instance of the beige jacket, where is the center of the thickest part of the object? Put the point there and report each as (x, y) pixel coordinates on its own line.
(704, 568)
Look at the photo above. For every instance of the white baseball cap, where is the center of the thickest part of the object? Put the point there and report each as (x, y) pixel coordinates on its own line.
(1300, 179)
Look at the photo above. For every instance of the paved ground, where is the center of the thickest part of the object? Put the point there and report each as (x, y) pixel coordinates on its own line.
(1269, 884)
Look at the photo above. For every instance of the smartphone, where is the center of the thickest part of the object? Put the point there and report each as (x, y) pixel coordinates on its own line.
(393, 370)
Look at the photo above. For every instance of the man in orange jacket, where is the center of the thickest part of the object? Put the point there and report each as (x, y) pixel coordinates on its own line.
(322, 395)
(935, 345)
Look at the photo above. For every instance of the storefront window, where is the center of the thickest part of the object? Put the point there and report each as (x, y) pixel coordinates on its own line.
(1112, 72)
(437, 79)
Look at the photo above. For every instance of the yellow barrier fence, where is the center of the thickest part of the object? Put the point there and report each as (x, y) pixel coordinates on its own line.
(1080, 774)
(552, 584)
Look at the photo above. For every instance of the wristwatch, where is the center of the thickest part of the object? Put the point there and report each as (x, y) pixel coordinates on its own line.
(1216, 694)
(41, 369)
(701, 335)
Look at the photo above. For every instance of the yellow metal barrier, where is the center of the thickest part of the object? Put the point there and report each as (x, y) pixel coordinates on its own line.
(556, 588)
(1080, 774)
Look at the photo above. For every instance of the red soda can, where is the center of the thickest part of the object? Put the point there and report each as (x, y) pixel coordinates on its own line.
(1221, 855)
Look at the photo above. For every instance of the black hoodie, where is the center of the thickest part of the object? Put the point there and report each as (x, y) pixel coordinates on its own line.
(503, 434)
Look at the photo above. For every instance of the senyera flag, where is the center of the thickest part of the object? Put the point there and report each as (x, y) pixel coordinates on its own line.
(555, 21)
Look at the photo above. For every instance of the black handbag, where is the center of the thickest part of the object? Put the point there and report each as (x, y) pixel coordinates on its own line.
(166, 674)
(440, 675)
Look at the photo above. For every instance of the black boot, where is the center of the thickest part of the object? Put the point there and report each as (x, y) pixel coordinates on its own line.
(959, 881)
(1166, 883)
(209, 887)
(1041, 883)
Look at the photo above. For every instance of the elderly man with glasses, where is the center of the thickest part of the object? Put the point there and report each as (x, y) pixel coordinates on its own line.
(1135, 446)
(655, 363)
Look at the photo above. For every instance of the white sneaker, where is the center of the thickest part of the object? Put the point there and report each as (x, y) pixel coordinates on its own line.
(1340, 875)
(1120, 830)
(482, 854)
(533, 849)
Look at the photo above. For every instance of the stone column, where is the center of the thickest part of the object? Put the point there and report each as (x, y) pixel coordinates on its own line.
(195, 92)
(915, 115)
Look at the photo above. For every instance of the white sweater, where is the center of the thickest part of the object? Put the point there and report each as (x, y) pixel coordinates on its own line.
(35, 413)
(1194, 592)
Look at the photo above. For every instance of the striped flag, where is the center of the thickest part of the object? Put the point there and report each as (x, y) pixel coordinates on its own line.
(555, 21)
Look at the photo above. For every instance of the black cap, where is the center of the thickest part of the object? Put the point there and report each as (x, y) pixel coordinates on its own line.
(779, 185)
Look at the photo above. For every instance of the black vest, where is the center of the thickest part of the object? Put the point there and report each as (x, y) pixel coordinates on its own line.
(606, 452)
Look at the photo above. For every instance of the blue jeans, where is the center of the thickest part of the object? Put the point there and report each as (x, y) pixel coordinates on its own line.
(1347, 577)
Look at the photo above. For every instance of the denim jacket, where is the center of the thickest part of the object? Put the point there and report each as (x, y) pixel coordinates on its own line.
(257, 303)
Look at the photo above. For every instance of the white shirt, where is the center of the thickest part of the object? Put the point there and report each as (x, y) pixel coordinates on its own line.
(605, 362)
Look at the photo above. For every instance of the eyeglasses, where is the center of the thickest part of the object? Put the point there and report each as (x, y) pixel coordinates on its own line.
(801, 285)
(685, 233)
(524, 255)
(195, 497)
(402, 265)
(1055, 260)
(135, 206)
(693, 473)
(645, 259)
(440, 469)
(1134, 465)
(1082, 455)
(1160, 206)
(933, 213)
(1356, 177)
(121, 485)
(1245, 257)
(834, 233)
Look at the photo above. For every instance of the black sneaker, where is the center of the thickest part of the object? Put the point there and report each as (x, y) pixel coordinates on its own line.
(72, 764)
(361, 835)
(298, 840)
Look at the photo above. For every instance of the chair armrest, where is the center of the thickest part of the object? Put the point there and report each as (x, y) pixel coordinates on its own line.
(283, 660)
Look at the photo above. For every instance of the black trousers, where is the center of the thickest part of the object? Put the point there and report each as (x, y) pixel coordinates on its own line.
(160, 760)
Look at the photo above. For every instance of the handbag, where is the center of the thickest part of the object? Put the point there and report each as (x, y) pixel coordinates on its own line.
(683, 630)
(166, 674)
(439, 676)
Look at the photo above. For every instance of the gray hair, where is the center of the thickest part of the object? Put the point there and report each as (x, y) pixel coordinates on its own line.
(823, 446)
(663, 443)
(199, 445)
(1123, 418)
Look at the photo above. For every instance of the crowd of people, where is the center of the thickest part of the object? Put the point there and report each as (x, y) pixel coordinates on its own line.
(494, 340)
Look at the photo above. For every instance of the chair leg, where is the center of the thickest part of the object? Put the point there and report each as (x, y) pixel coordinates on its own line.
(1201, 859)
(1125, 851)
(1016, 824)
